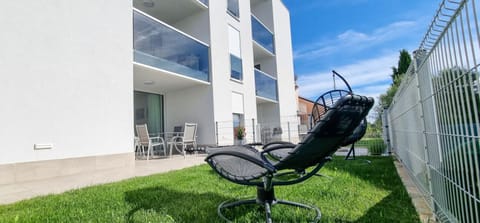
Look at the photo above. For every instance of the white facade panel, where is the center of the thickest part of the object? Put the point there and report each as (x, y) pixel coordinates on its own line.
(65, 79)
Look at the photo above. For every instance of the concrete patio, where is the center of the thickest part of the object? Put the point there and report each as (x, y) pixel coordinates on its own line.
(10, 193)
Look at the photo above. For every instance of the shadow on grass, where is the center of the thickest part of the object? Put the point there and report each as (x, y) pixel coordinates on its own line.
(174, 205)
(380, 172)
(389, 210)
(160, 204)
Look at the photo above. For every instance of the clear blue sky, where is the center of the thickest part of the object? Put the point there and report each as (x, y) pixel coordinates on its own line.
(360, 39)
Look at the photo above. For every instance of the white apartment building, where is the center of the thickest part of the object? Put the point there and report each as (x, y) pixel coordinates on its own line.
(75, 76)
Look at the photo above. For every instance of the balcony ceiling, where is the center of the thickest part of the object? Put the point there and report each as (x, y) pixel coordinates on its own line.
(160, 81)
(170, 11)
(260, 52)
(255, 2)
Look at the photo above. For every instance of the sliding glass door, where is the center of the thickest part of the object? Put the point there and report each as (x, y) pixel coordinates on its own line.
(149, 109)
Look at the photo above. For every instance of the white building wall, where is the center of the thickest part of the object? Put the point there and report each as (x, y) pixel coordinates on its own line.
(285, 71)
(73, 86)
(193, 105)
(65, 79)
(220, 68)
(222, 84)
(248, 84)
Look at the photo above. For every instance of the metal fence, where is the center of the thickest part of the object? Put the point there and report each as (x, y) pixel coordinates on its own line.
(432, 124)
(286, 128)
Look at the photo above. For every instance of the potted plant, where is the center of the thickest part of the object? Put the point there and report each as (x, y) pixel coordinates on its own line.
(239, 135)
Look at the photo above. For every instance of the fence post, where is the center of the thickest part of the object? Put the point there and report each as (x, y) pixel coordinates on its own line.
(418, 58)
(386, 130)
(288, 127)
(216, 132)
(253, 130)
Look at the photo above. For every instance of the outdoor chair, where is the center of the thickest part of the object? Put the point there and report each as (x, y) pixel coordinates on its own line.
(323, 104)
(181, 141)
(284, 163)
(145, 141)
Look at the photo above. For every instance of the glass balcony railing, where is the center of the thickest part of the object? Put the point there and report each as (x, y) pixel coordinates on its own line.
(204, 2)
(232, 7)
(163, 47)
(262, 35)
(265, 85)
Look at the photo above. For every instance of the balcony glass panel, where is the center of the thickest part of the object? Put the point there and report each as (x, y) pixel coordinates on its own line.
(204, 2)
(236, 67)
(232, 7)
(262, 35)
(265, 86)
(160, 46)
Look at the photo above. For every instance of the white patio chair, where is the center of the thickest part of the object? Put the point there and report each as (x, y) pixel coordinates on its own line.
(145, 141)
(189, 137)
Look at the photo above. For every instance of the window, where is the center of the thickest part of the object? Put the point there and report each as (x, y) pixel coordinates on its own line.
(236, 67)
(236, 71)
(148, 109)
(238, 128)
(232, 8)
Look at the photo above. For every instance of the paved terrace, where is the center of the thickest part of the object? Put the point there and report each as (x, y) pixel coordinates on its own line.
(12, 193)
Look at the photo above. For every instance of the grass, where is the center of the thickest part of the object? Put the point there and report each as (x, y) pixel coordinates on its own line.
(353, 192)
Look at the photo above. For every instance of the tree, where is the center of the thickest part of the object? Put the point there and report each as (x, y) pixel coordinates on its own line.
(404, 61)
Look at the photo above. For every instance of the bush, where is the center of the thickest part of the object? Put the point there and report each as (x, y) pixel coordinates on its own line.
(375, 146)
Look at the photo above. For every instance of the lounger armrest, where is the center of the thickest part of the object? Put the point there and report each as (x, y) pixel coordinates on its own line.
(270, 151)
(259, 162)
(277, 147)
(266, 146)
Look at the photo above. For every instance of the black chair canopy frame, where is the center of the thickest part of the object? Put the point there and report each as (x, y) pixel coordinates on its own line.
(324, 103)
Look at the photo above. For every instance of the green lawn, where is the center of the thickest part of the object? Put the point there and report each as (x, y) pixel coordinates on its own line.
(353, 192)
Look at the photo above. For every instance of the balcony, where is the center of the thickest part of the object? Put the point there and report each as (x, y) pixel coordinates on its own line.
(171, 11)
(262, 37)
(232, 8)
(163, 47)
(266, 87)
